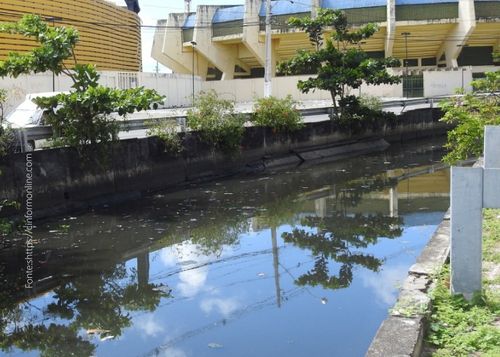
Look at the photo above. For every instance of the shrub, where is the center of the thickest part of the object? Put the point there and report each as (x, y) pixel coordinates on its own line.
(470, 114)
(7, 141)
(216, 121)
(279, 114)
(166, 131)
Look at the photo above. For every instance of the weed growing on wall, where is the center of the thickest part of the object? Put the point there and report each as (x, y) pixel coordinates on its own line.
(216, 121)
(166, 131)
(278, 114)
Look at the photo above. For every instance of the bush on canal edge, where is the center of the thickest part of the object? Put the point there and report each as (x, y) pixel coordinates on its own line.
(281, 115)
(216, 121)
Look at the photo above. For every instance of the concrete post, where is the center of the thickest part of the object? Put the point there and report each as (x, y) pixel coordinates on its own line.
(466, 229)
(471, 190)
(391, 27)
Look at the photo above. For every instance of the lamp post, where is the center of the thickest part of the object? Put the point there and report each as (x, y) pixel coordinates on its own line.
(406, 34)
(193, 44)
(53, 19)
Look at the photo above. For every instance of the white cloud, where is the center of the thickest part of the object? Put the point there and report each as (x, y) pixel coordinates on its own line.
(385, 283)
(224, 306)
(148, 325)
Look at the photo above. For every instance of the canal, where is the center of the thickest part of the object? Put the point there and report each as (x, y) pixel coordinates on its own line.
(299, 262)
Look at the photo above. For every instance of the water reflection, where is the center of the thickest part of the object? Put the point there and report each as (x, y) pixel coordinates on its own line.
(179, 272)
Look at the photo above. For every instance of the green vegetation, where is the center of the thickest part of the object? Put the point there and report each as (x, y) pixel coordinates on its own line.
(279, 114)
(470, 114)
(3, 99)
(458, 327)
(81, 117)
(216, 121)
(166, 131)
(338, 61)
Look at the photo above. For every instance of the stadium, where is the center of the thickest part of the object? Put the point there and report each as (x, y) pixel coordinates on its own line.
(227, 42)
(110, 35)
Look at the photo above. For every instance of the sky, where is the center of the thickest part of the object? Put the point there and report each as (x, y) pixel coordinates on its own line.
(153, 10)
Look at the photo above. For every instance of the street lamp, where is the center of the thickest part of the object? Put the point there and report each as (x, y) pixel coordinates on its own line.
(53, 19)
(406, 34)
(193, 44)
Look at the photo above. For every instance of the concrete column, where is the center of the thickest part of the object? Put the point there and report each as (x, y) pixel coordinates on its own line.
(143, 269)
(391, 27)
(276, 266)
(466, 230)
(393, 202)
(315, 6)
(224, 57)
(251, 30)
(320, 207)
(168, 47)
(458, 36)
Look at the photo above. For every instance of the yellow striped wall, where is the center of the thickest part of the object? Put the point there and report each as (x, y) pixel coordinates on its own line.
(110, 36)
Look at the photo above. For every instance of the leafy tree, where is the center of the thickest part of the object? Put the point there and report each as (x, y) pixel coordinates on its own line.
(334, 240)
(82, 116)
(338, 61)
(470, 114)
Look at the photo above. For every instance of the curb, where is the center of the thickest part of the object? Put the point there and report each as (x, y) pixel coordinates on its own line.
(401, 334)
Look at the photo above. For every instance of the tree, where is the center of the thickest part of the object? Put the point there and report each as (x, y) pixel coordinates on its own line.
(337, 60)
(83, 116)
(470, 113)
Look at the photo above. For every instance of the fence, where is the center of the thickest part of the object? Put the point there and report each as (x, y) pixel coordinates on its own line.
(178, 88)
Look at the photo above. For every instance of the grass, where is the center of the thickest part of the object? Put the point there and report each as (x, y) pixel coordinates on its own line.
(458, 327)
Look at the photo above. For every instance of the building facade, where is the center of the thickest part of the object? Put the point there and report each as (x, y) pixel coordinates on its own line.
(227, 42)
(110, 35)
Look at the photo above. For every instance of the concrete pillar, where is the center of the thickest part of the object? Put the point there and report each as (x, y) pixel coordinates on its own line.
(458, 36)
(251, 31)
(143, 269)
(320, 207)
(315, 6)
(393, 202)
(224, 57)
(466, 230)
(391, 27)
(168, 47)
(276, 266)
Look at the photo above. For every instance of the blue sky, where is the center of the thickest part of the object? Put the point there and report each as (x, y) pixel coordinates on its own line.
(153, 10)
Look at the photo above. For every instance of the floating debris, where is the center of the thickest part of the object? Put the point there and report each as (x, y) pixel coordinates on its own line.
(214, 345)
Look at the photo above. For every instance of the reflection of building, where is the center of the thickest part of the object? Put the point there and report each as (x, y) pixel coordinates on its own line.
(229, 40)
(109, 34)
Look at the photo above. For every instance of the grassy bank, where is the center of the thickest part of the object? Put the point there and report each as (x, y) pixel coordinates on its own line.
(461, 328)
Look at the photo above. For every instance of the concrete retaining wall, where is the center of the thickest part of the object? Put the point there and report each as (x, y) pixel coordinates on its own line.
(62, 182)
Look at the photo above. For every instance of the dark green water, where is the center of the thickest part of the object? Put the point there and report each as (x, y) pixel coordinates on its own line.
(304, 262)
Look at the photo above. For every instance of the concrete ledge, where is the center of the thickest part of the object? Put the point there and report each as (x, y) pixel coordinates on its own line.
(401, 334)
(398, 336)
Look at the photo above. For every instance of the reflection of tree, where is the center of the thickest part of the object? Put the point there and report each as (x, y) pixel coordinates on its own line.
(97, 303)
(334, 239)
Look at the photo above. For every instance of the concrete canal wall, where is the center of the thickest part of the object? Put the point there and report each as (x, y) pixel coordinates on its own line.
(62, 182)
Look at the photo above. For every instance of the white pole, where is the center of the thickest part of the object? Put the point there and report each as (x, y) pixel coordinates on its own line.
(267, 69)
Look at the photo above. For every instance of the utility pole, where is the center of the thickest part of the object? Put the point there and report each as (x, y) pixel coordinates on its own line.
(193, 44)
(267, 68)
(406, 34)
(53, 19)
